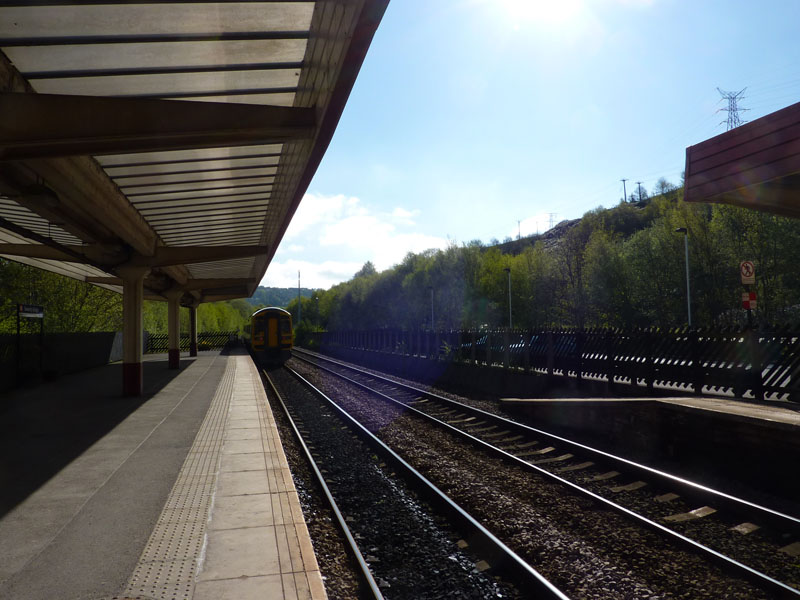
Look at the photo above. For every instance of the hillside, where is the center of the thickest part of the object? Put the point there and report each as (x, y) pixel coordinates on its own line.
(273, 296)
(622, 266)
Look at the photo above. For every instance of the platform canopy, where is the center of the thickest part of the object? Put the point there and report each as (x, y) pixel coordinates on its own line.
(176, 136)
(754, 166)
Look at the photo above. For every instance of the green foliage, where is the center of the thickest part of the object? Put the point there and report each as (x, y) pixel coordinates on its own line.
(228, 315)
(69, 305)
(272, 296)
(74, 306)
(618, 267)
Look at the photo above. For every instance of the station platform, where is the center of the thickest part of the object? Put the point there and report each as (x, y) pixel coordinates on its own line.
(785, 413)
(742, 446)
(182, 493)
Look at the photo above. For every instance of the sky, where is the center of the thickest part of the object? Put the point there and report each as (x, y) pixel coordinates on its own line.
(485, 119)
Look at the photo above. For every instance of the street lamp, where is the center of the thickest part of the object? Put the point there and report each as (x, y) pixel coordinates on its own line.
(685, 233)
(508, 271)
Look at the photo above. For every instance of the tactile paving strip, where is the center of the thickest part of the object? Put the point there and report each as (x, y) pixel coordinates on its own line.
(167, 567)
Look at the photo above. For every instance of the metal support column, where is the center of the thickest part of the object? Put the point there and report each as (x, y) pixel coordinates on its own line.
(132, 300)
(174, 327)
(193, 330)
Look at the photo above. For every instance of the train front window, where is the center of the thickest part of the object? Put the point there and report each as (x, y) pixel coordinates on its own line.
(286, 328)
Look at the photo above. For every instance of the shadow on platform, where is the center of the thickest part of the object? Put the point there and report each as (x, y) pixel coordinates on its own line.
(44, 428)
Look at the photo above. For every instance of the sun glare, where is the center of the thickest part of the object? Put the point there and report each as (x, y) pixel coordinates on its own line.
(541, 12)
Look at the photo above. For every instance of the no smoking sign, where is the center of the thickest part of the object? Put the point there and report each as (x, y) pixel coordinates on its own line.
(748, 272)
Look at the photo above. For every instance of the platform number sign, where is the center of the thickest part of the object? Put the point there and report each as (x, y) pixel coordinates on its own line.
(748, 272)
(30, 311)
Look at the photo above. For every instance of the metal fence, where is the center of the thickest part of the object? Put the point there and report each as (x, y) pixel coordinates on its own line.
(739, 362)
(206, 340)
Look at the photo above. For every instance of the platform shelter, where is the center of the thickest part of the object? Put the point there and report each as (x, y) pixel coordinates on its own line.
(160, 149)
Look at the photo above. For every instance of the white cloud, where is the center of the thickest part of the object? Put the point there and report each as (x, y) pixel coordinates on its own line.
(331, 237)
(312, 275)
(377, 240)
(316, 209)
(403, 216)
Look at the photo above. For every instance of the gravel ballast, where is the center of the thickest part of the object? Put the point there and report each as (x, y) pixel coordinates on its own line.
(410, 552)
(586, 551)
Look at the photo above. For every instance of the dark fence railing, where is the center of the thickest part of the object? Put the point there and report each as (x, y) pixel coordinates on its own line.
(741, 362)
(206, 340)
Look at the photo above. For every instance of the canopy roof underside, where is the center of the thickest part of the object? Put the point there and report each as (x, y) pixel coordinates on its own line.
(131, 130)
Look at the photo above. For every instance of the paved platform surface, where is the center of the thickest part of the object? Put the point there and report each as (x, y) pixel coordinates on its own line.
(183, 493)
(779, 412)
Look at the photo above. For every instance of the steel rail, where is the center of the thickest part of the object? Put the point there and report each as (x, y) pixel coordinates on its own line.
(340, 520)
(781, 590)
(786, 523)
(497, 554)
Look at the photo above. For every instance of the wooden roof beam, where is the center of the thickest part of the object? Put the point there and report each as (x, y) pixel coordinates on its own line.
(49, 125)
(86, 202)
(190, 285)
(114, 258)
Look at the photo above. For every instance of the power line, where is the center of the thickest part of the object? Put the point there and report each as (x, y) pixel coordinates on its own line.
(733, 107)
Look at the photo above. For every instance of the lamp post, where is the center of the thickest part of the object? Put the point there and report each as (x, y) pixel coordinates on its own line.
(508, 271)
(685, 233)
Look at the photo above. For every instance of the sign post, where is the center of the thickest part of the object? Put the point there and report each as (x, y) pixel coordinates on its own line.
(747, 271)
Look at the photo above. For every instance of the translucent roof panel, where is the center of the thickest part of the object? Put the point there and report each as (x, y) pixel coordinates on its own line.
(212, 184)
(229, 191)
(19, 215)
(221, 268)
(172, 85)
(144, 206)
(33, 61)
(174, 156)
(214, 175)
(70, 269)
(207, 19)
(176, 210)
(120, 173)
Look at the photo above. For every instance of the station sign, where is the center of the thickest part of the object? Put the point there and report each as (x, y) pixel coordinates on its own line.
(749, 300)
(30, 311)
(747, 270)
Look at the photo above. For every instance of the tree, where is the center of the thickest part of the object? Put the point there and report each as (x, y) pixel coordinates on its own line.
(663, 187)
(367, 270)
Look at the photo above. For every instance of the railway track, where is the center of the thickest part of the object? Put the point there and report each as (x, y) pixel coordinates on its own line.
(399, 548)
(691, 516)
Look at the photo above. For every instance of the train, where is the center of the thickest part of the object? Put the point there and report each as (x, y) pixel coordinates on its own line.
(269, 335)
